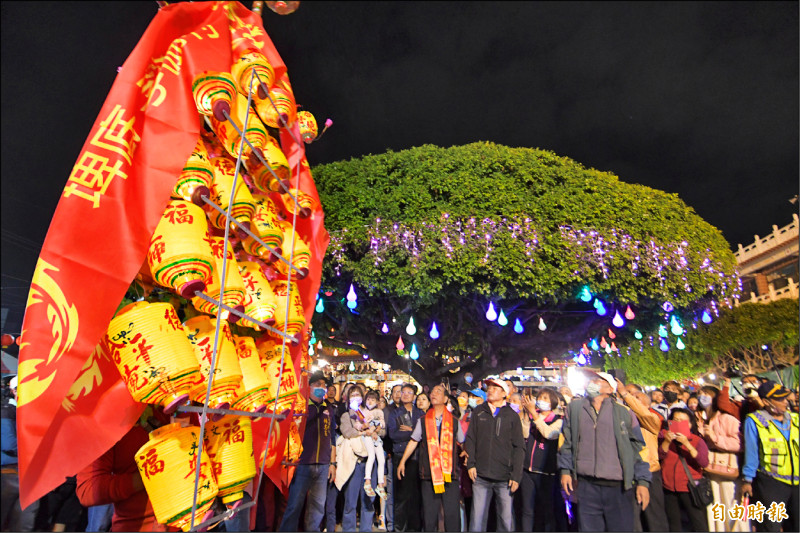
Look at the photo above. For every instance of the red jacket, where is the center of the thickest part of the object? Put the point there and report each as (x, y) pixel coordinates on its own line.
(109, 479)
(672, 472)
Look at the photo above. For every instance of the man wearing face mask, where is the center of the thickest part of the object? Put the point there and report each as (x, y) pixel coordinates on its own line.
(672, 391)
(751, 403)
(317, 463)
(771, 470)
(495, 452)
(608, 475)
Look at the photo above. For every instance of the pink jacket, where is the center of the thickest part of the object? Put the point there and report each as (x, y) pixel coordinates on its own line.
(725, 433)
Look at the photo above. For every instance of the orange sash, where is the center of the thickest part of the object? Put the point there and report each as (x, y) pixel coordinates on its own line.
(440, 450)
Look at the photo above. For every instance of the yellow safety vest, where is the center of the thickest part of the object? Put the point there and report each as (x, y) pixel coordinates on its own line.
(777, 457)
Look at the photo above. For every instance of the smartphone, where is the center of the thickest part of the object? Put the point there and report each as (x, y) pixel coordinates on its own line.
(680, 426)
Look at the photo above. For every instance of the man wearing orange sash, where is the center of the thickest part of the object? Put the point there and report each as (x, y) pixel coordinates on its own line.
(440, 432)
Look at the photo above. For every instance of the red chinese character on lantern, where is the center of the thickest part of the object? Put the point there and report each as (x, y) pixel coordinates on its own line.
(152, 464)
(172, 319)
(178, 215)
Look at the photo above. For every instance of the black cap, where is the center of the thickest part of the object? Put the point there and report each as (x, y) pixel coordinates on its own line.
(770, 389)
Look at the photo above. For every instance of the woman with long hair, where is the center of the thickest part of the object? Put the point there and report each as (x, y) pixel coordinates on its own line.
(681, 444)
(721, 432)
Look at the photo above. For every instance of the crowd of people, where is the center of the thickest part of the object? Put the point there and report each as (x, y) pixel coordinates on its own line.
(503, 458)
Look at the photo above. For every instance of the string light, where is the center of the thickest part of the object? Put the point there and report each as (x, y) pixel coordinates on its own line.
(320, 306)
(414, 354)
(501, 319)
(518, 326)
(666, 306)
(618, 321)
(629, 313)
(434, 332)
(400, 345)
(411, 329)
(491, 314)
(385, 329)
(542, 325)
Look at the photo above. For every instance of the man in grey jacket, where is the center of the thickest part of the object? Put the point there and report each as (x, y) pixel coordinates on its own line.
(603, 476)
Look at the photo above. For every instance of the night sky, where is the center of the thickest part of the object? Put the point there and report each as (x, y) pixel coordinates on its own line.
(698, 99)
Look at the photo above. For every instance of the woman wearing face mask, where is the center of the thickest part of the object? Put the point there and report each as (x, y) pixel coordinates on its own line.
(539, 477)
(354, 425)
(721, 433)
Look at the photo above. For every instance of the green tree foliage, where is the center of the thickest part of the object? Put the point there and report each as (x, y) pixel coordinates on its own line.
(438, 233)
(733, 341)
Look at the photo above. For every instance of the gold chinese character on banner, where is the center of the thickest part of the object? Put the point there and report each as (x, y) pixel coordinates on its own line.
(117, 134)
(150, 84)
(91, 177)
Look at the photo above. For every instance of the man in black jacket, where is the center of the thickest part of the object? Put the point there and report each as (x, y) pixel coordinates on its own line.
(406, 491)
(496, 451)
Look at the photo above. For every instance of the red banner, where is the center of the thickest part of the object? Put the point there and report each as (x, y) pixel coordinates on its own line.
(72, 403)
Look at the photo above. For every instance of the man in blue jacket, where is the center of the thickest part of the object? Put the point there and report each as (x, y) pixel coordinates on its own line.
(401, 424)
(601, 453)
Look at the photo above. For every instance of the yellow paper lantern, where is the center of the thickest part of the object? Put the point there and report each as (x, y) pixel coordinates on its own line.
(213, 93)
(267, 225)
(264, 180)
(147, 344)
(259, 302)
(296, 320)
(229, 442)
(293, 246)
(227, 385)
(270, 353)
(167, 464)
(228, 135)
(255, 381)
(196, 177)
(234, 286)
(242, 71)
(243, 202)
(179, 255)
(280, 107)
(308, 126)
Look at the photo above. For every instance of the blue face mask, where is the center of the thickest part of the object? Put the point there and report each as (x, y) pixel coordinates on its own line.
(472, 402)
(515, 407)
(318, 392)
(704, 401)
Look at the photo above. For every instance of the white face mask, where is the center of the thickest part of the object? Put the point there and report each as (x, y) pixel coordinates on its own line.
(592, 390)
(543, 405)
(371, 404)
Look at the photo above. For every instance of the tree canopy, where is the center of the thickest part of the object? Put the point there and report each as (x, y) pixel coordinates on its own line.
(438, 234)
(741, 338)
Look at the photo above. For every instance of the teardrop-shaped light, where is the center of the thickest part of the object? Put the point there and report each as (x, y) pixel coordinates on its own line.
(385, 329)
(400, 345)
(542, 325)
(662, 331)
(629, 313)
(518, 326)
(581, 359)
(593, 345)
(596, 303)
(351, 294)
(706, 318)
(611, 335)
(677, 329)
(664, 345)
(320, 306)
(608, 348)
(679, 344)
(600, 309)
(614, 347)
(491, 314)
(310, 349)
(603, 342)
(352, 367)
(414, 353)
(434, 332)
(335, 352)
(501, 319)
(411, 329)
(351, 304)
(585, 349)
(637, 334)
(618, 320)
(585, 295)
(319, 345)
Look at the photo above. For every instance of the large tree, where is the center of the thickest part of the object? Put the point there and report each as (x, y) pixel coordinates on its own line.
(748, 338)
(438, 234)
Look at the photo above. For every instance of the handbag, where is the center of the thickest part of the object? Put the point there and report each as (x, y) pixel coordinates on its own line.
(723, 464)
(700, 490)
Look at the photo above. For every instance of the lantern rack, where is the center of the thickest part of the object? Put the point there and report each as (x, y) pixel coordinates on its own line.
(205, 410)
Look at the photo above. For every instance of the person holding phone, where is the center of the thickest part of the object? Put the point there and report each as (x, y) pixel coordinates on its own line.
(681, 440)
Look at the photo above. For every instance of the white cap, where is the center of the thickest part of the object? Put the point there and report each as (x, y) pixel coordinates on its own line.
(609, 378)
(13, 382)
(499, 382)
